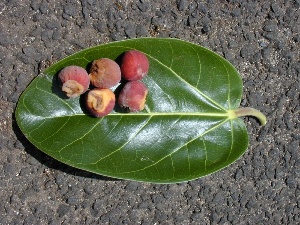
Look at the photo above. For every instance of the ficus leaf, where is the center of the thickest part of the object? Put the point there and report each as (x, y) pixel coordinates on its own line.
(189, 128)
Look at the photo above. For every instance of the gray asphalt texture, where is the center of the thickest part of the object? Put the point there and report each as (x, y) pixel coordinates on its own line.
(260, 38)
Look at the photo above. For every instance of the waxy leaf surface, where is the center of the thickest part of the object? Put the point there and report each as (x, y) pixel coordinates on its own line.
(185, 131)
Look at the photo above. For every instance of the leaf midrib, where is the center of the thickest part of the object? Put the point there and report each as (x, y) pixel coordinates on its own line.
(199, 114)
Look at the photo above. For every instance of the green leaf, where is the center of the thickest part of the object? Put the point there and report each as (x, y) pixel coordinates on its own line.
(188, 129)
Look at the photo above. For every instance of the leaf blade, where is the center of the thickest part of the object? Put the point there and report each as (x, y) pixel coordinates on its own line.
(173, 140)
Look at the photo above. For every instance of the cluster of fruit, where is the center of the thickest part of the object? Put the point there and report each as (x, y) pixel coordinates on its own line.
(105, 74)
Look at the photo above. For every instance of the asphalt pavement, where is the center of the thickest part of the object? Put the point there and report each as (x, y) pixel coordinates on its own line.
(260, 38)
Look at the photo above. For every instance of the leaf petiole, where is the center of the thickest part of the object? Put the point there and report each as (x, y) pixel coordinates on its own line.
(247, 111)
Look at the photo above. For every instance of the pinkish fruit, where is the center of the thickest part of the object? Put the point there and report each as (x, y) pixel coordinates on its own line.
(105, 73)
(75, 80)
(133, 96)
(134, 65)
(100, 102)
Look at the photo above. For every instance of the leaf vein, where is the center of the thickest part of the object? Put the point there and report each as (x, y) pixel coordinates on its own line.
(96, 124)
(178, 148)
(119, 149)
(56, 130)
(184, 81)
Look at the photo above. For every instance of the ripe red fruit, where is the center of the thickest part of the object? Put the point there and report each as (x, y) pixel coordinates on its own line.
(134, 65)
(100, 102)
(75, 80)
(105, 73)
(133, 96)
